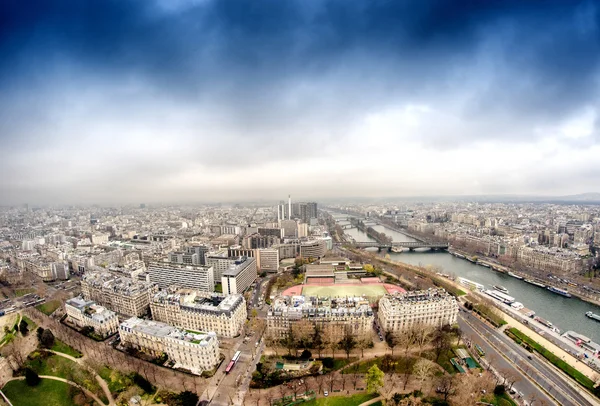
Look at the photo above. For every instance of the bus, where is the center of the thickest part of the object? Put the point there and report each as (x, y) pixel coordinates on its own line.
(233, 361)
(480, 350)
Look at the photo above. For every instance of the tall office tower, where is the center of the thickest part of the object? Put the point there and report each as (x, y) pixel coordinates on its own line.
(289, 207)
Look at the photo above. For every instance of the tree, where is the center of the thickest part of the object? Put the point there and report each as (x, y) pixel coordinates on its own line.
(423, 335)
(374, 379)
(446, 385)
(441, 342)
(289, 341)
(317, 339)
(31, 377)
(47, 339)
(423, 369)
(303, 332)
(499, 390)
(363, 343)
(23, 327)
(187, 398)
(38, 333)
(347, 343)
(391, 340)
(457, 331)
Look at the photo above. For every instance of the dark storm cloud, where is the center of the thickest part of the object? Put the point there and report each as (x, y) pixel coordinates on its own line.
(270, 73)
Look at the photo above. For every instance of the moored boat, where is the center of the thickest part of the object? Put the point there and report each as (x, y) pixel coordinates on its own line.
(515, 275)
(562, 292)
(536, 283)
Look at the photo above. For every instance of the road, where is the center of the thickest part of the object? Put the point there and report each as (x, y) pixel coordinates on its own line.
(537, 369)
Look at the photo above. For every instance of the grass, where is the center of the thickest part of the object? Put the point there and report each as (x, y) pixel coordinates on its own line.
(30, 324)
(23, 292)
(399, 365)
(117, 382)
(47, 393)
(568, 369)
(7, 339)
(353, 400)
(219, 288)
(49, 307)
(489, 314)
(342, 291)
(59, 346)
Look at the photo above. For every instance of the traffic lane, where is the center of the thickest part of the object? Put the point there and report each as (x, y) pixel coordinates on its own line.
(499, 363)
(552, 378)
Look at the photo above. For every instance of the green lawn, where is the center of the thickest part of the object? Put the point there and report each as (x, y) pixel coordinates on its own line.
(117, 382)
(47, 393)
(59, 346)
(23, 292)
(30, 324)
(443, 360)
(48, 307)
(353, 400)
(398, 363)
(568, 369)
(219, 288)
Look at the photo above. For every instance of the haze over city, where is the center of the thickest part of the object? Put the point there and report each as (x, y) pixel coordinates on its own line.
(172, 101)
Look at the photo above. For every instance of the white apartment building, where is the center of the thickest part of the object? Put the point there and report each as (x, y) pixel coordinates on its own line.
(432, 307)
(334, 316)
(268, 259)
(220, 261)
(167, 274)
(84, 313)
(193, 352)
(239, 276)
(200, 311)
(180, 257)
(122, 295)
(550, 259)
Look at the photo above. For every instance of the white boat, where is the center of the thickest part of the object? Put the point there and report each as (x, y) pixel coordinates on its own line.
(593, 316)
(538, 284)
(517, 305)
(471, 284)
(501, 289)
(500, 296)
(515, 275)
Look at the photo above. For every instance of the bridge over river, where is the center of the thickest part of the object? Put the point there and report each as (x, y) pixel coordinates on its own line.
(411, 245)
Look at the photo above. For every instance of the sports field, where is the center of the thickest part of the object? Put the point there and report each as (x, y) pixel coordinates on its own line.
(344, 290)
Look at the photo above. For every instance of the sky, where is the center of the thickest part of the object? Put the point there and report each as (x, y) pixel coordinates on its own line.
(130, 101)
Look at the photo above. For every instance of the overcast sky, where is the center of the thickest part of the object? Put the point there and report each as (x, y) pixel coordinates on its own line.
(201, 100)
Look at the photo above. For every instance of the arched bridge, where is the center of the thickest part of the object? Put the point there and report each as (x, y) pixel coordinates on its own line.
(411, 245)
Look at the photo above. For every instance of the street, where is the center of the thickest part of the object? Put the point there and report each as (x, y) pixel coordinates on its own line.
(536, 370)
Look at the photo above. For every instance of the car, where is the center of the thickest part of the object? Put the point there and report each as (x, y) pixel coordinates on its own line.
(325, 393)
(529, 356)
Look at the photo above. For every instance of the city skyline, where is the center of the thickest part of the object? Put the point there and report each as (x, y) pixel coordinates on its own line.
(200, 101)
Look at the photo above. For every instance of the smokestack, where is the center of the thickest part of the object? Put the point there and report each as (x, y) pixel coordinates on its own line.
(289, 207)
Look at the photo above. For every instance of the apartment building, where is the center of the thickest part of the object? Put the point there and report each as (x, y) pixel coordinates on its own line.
(86, 313)
(193, 352)
(120, 294)
(550, 259)
(313, 249)
(166, 274)
(220, 261)
(432, 307)
(334, 316)
(239, 276)
(268, 259)
(48, 270)
(200, 311)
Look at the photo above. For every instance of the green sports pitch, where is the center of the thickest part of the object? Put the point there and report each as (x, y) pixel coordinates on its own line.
(342, 291)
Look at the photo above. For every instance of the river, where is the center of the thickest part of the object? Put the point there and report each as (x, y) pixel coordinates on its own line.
(564, 313)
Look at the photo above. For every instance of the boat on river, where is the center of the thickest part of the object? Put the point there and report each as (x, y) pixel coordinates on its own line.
(536, 283)
(501, 289)
(593, 316)
(562, 292)
(515, 275)
(470, 284)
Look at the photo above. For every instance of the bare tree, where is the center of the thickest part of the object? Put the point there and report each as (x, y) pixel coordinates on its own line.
(423, 336)
(320, 381)
(446, 385)
(423, 370)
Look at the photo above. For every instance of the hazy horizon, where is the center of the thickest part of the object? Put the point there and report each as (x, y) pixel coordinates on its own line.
(126, 101)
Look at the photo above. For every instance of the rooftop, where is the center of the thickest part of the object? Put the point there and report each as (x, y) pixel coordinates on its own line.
(162, 330)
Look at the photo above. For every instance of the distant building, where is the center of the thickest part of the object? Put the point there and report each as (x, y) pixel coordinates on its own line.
(239, 276)
(167, 274)
(200, 311)
(122, 295)
(433, 307)
(193, 352)
(268, 259)
(290, 228)
(86, 313)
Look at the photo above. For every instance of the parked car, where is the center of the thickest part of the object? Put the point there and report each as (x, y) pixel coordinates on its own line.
(326, 393)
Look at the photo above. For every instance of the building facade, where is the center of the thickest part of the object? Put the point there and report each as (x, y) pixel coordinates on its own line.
(335, 317)
(122, 295)
(239, 276)
(433, 307)
(166, 274)
(268, 259)
(85, 313)
(199, 311)
(193, 352)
